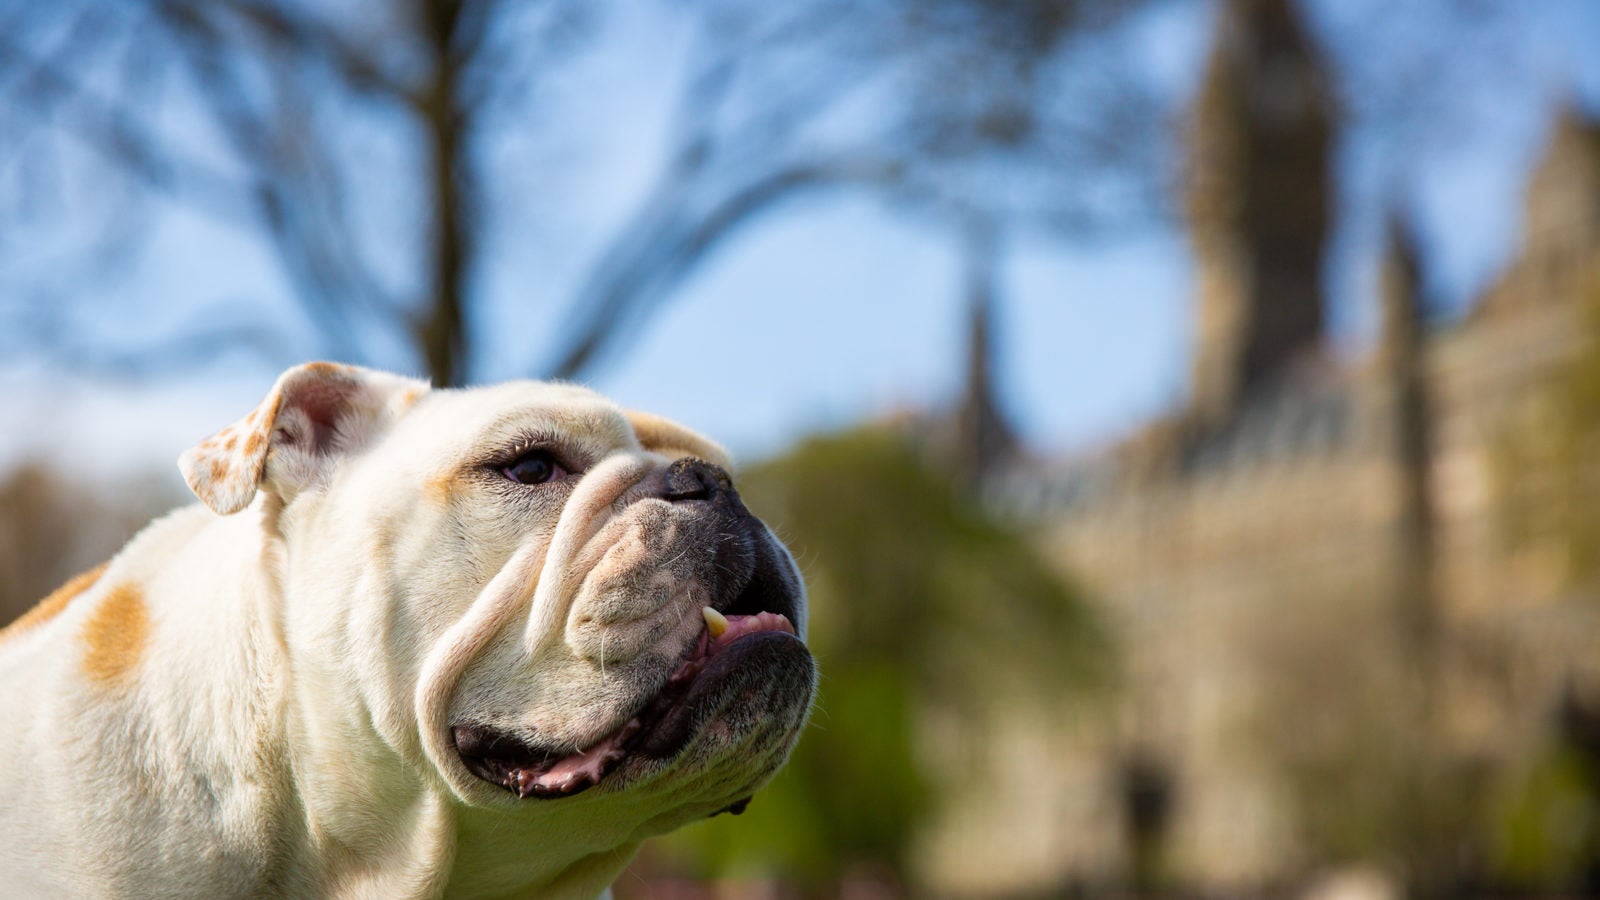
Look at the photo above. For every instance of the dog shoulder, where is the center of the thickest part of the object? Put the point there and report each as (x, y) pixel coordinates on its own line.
(116, 578)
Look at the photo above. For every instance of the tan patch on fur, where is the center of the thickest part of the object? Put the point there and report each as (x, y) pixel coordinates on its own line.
(51, 606)
(440, 487)
(668, 438)
(116, 634)
(253, 443)
(267, 413)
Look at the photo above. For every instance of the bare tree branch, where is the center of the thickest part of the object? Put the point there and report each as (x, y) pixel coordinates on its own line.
(209, 334)
(52, 95)
(732, 159)
(297, 33)
(664, 243)
(759, 122)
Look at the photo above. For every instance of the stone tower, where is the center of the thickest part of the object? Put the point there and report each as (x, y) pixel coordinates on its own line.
(1257, 199)
(1562, 213)
(1560, 256)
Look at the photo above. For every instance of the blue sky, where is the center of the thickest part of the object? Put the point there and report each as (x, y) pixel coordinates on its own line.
(845, 312)
(842, 310)
(838, 308)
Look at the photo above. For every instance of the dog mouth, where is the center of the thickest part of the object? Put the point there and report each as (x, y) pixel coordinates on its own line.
(659, 730)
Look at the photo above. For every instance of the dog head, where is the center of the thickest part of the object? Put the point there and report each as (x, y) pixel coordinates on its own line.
(534, 598)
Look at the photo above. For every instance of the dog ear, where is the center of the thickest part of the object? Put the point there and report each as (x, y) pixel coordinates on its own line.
(668, 438)
(314, 414)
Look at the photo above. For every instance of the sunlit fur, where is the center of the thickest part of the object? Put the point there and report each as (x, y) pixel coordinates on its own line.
(363, 578)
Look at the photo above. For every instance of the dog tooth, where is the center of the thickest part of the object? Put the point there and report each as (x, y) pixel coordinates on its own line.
(716, 622)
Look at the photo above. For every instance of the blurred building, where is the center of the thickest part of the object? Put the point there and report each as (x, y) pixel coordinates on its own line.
(1320, 562)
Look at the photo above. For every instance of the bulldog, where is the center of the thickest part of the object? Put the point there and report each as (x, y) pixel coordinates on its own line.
(414, 643)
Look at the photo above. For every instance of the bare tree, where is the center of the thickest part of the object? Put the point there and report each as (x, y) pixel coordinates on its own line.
(335, 134)
(350, 139)
(987, 112)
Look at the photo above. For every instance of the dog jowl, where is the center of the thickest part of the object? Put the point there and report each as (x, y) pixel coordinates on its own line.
(413, 642)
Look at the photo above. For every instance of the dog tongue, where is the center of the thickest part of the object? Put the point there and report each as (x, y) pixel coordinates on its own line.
(582, 769)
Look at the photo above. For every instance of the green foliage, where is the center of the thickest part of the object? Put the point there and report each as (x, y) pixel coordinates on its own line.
(1548, 826)
(918, 597)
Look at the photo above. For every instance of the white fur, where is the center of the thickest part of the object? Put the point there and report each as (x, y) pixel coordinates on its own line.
(284, 729)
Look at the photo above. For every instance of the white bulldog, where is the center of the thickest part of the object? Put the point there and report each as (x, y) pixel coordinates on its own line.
(471, 643)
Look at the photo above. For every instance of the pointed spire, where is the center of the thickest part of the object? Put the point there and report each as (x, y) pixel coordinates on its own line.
(1404, 366)
(984, 440)
(1402, 313)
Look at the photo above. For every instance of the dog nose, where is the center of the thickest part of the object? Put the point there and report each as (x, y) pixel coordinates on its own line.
(689, 479)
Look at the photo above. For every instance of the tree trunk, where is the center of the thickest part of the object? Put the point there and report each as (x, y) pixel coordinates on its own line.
(443, 339)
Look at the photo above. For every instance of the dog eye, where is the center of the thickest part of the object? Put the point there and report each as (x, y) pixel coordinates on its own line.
(534, 467)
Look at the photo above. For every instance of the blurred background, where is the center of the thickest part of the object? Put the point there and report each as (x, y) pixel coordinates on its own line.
(1186, 412)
